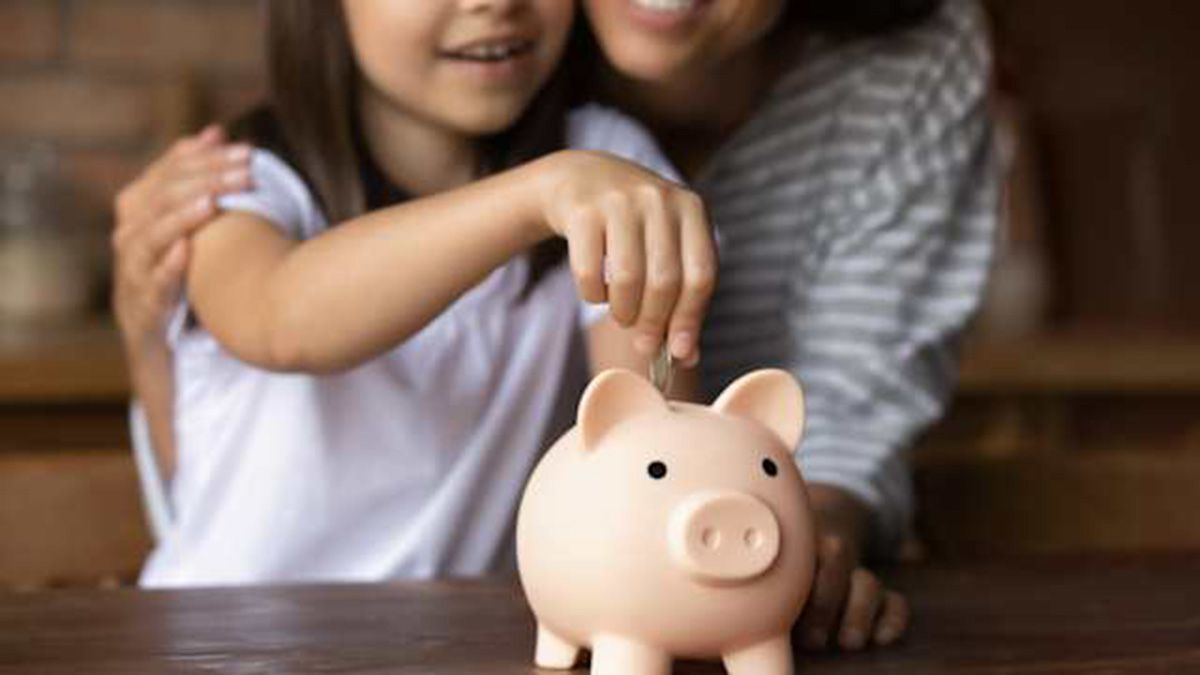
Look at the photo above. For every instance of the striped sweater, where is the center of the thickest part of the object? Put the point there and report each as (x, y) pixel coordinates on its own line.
(857, 211)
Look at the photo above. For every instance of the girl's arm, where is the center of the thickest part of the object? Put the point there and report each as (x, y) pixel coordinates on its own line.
(332, 302)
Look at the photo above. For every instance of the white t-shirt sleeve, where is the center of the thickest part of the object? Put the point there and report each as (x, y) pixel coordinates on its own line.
(279, 196)
(594, 127)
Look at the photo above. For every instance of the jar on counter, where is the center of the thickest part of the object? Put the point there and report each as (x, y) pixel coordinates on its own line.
(48, 252)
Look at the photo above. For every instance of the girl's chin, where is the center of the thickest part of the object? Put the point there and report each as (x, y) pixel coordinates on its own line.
(488, 122)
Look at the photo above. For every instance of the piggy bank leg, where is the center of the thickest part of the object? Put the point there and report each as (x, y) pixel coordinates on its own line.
(618, 656)
(773, 657)
(554, 652)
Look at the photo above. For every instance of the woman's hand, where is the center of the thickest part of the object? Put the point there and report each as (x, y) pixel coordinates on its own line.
(849, 606)
(639, 242)
(155, 215)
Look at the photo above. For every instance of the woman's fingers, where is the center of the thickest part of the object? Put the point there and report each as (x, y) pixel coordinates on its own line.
(893, 619)
(625, 267)
(660, 291)
(862, 606)
(183, 148)
(168, 277)
(180, 198)
(158, 237)
(699, 264)
(832, 583)
(213, 173)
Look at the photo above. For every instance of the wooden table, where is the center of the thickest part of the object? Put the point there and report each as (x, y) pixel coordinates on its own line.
(1042, 616)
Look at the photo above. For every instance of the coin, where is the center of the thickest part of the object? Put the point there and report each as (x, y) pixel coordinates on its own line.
(662, 368)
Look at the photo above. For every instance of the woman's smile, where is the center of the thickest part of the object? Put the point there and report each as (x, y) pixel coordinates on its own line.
(666, 15)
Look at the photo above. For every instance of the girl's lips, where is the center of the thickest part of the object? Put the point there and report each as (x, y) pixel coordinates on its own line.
(665, 16)
(514, 65)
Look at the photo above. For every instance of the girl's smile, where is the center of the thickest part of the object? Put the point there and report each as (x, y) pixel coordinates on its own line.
(466, 67)
(497, 59)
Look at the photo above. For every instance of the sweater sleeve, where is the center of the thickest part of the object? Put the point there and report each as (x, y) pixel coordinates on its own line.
(906, 252)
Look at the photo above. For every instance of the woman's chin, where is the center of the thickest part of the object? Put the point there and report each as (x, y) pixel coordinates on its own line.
(650, 66)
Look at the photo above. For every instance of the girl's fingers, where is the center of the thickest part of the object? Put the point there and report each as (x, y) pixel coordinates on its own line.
(862, 606)
(663, 273)
(699, 279)
(830, 587)
(893, 619)
(625, 261)
(585, 247)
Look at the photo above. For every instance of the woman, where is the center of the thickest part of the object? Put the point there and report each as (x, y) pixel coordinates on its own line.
(843, 149)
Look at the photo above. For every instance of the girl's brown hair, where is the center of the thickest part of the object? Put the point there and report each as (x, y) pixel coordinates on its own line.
(312, 117)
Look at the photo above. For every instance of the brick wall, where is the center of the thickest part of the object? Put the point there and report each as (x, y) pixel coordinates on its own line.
(108, 82)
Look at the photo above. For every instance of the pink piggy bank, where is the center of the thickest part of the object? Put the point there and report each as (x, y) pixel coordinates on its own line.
(656, 530)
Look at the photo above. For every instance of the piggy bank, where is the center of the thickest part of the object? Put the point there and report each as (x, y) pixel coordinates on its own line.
(655, 530)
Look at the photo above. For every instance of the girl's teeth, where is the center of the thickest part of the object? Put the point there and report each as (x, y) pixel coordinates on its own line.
(491, 52)
(666, 5)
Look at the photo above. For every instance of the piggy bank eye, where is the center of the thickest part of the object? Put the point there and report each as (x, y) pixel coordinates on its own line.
(657, 470)
(770, 468)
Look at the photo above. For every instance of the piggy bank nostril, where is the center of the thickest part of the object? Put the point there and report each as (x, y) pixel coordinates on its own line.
(753, 538)
(711, 538)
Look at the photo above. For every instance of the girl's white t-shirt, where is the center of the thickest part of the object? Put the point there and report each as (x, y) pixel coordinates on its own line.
(408, 466)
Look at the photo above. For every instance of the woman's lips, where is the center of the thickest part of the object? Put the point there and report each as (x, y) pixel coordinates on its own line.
(666, 15)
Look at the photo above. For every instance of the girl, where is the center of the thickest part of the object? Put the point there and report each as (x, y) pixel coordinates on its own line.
(373, 339)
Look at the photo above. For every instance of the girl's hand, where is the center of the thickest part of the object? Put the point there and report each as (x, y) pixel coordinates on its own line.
(637, 241)
(849, 606)
(155, 214)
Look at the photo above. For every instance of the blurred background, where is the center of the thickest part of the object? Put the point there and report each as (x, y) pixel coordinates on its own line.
(1077, 425)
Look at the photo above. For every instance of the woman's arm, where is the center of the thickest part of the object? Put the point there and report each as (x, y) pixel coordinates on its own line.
(332, 302)
(155, 215)
(154, 381)
(904, 267)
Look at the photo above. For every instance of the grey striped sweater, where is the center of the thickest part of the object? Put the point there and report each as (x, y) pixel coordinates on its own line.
(857, 213)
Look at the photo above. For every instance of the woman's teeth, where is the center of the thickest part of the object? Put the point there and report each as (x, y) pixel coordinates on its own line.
(666, 5)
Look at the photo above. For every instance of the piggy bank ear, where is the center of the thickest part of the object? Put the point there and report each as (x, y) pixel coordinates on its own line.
(772, 398)
(611, 398)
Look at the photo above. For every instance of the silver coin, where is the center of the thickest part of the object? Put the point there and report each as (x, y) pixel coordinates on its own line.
(662, 368)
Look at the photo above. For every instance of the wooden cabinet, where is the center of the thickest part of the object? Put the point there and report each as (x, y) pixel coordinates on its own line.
(1067, 442)
(69, 498)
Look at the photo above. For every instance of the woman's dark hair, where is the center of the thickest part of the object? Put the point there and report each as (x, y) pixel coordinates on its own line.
(312, 117)
(859, 16)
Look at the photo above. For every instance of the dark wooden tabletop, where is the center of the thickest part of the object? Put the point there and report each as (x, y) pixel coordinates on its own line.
(1043, 616)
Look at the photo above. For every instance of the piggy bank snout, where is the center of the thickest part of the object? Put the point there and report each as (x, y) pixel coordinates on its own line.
(723, 537)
